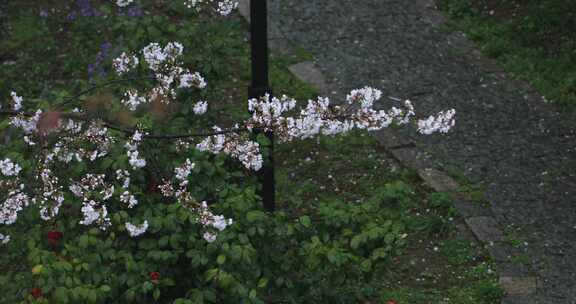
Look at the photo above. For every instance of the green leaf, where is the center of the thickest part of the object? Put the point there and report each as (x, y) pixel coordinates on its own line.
(130, 295)
(147, 286)
(255, 215)
(175, 241)
(105, 288)
(83, 241)
(366, 265)
(389, 238)
(356, 240)
(221, 259)
(60, 295)
(211, 274)
(92, 296)
(262, 282)
(305, 221)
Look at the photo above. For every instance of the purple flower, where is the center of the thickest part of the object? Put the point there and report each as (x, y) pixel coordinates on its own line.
(83, 8)
(135, 11)
(97, 67)
(132, 11)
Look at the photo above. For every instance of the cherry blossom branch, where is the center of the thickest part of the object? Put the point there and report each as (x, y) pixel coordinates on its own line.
(103, 85)
(93, 141)
(87, 118)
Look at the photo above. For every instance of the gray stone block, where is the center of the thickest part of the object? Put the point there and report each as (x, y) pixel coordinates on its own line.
(511, 269)
(518, 285)
(485, 229)
(468, 209)
(437, 180)
(244, 9)
(410, 157)
(391, 139)
(307, 72)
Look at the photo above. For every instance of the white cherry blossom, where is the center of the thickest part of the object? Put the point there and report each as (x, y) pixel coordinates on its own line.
(136, 230)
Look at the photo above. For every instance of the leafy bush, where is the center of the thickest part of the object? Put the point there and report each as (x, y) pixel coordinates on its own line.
(319, 257)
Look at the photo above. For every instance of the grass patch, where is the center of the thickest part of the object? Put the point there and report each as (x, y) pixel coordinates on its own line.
(532, 40)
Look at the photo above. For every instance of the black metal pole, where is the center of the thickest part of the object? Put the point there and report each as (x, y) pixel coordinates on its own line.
(259, 87)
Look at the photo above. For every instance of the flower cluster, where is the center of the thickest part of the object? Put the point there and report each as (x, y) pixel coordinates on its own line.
(17, 101)
(132, 151)
(124, 63)
(320, 117)
(15, 200)
(200, 107)
(132, 100)
(167, 69)
(442, 123)
(14, 203)
(4, 239)
(51, 197)
(28, 125)
(224, 7)
(213, 222)
(235, 145)
(126, 197)
(94, 192)
(124, 3)
(76, 145)
(183, 172)
(136, 230)
(9, 168)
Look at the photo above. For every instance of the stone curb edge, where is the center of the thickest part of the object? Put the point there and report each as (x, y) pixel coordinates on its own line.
(478, 224)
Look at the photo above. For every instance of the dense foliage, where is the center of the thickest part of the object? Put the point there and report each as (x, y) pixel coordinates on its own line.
(316, 257)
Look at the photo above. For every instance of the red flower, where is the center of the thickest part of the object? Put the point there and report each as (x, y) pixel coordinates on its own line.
(36, 293)
(54, 237)
(154, 276)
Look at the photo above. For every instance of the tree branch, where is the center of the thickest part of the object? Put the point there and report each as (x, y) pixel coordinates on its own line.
(84, 117)
(105, 84)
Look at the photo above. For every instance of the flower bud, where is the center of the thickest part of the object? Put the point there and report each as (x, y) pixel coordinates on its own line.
(36, 293)
(154, 277)
(54, 237)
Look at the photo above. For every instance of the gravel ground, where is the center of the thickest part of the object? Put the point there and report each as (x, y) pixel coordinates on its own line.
(507, 138)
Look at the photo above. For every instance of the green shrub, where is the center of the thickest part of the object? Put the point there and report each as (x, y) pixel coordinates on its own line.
(319, 257)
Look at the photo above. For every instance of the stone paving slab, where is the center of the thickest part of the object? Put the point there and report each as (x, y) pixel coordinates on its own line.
(518, 285)
(306, 71)
(438, 180)
(485, 228)
(468, 209)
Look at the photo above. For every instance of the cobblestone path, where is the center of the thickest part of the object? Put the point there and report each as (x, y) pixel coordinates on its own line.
(506, 138)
